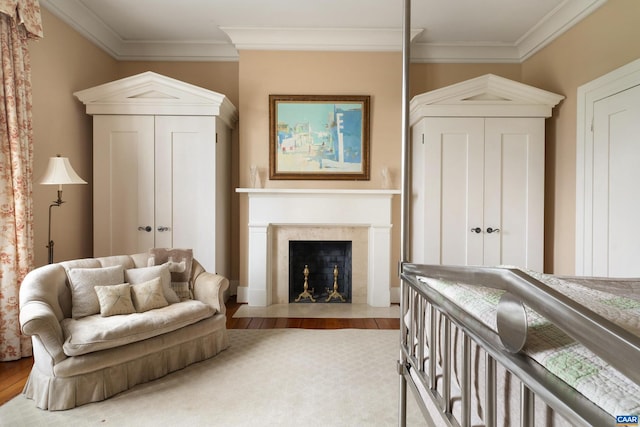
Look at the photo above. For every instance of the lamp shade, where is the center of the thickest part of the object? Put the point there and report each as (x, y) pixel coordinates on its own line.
(59, 171)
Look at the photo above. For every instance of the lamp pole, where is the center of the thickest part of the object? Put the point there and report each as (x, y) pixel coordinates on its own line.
(50, 245)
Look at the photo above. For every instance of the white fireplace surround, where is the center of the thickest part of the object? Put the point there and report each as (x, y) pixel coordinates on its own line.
(271, 207)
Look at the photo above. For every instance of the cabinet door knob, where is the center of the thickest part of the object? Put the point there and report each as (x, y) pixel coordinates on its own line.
(162, 228)
(493, 230)
(476, 230)
(147, 228)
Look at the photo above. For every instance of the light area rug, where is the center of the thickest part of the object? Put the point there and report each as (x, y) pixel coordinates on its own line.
(320, 310)
(274, 377)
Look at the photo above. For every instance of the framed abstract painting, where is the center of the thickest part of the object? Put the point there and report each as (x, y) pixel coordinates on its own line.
(319, 137)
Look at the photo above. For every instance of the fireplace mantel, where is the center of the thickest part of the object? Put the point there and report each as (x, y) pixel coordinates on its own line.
(270, 207)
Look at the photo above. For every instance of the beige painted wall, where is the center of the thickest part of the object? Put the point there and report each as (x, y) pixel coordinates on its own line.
(426, 77)
(602, 42)
(221, 77)
(64, 62)
(336, 73)
(377, 74)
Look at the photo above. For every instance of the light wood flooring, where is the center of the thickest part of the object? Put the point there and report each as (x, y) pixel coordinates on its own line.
(13, 375)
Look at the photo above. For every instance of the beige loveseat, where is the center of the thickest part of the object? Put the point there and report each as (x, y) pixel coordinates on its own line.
(90, 358)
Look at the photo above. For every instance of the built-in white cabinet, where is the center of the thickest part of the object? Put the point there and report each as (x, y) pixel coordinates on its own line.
(477, 174)
(161, 174)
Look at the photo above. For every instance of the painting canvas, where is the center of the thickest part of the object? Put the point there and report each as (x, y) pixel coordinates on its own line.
(319, 137)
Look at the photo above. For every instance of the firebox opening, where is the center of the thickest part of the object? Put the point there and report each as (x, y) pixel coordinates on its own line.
(328, 271)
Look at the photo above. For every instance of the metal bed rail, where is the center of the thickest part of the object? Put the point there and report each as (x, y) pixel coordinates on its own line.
(419, 331)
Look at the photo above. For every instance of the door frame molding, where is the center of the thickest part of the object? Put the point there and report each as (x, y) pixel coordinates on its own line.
(614, 82)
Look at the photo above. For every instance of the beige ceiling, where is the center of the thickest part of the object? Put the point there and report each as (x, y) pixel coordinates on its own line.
(210, 30)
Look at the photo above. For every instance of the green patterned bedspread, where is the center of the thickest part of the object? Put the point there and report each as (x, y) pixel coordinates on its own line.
(553, 349)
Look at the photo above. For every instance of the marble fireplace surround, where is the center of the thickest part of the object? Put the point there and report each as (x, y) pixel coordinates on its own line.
(358, 237)
(279, 215)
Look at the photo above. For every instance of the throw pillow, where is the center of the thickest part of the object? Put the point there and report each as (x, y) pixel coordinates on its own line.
(115, 299)
(148, 295)
(144, 274)
(180, 261)
(82, 281)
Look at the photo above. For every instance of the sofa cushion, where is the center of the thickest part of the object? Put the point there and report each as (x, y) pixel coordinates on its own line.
(180, 263)
(144, 274)
(115, 299)
(148, 295)
(82, 281)
(94, 333)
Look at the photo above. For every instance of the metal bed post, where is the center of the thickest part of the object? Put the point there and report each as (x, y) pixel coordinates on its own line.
(402, 404)
(404, 195)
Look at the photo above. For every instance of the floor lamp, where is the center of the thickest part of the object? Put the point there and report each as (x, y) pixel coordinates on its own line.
(59, 172)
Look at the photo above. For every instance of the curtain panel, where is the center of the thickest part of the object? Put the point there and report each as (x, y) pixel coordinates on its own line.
(19, 21)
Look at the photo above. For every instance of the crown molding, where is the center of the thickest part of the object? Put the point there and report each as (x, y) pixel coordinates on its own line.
(464, 53)
(152, 93)
(556, 23)
(562, 18)
(177, 51)
(328, 39)
(80, 18)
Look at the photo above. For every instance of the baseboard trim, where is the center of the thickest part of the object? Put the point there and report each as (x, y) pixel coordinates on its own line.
(242, 294)
(395, 294)
(233, 287)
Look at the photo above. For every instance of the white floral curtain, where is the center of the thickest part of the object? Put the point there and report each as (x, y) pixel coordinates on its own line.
(19, 21)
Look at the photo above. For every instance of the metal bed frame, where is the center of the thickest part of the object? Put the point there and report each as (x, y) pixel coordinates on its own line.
(612, 343)
(609, 341)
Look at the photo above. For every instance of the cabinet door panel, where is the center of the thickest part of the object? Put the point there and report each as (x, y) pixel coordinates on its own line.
(418, 202)
(514, 192)
(186, 185)
(123, 184)
(454, 190)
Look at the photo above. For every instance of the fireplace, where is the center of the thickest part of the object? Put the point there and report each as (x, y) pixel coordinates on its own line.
(319, 271)
(309, 213)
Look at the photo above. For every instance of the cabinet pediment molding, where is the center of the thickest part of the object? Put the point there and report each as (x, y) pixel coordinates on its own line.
(486, 96)
(152, 93)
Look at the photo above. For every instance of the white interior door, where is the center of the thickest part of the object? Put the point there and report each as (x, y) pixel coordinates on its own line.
(123, 196)
(186, 185)
(616, 193)
(514, 192)
(453, 179)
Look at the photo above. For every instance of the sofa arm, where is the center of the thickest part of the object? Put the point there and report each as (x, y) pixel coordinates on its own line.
(210, 288)
(37, 318)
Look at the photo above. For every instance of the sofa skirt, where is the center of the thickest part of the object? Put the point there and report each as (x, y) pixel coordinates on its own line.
(119, 369)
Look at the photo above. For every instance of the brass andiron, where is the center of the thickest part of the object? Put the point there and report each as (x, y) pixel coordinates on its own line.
(305, 293)
(335, 294)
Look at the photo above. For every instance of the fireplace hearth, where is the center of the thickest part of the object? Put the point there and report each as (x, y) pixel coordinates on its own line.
(323, 265)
